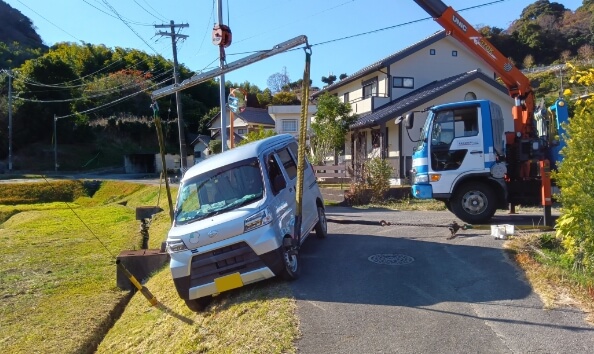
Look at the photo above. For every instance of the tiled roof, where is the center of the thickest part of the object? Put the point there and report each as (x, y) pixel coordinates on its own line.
(385, 62)
(420, 96)
(249, 115)
(256, 116)
(197, 138)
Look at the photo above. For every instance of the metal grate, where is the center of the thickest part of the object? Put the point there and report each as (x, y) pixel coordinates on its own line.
(391, 259)
(235, 258)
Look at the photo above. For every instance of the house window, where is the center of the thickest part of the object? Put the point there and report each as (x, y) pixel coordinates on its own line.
(370, 88)
(469, 96)
(241, 131)
(454, 53)
(345, 98)
(403, 82)
(431, 51)
(290, 125)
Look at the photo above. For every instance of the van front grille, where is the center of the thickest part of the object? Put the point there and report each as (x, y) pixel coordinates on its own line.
(238, 257)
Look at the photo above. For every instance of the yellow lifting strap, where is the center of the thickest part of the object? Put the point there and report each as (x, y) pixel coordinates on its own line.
(301, 145)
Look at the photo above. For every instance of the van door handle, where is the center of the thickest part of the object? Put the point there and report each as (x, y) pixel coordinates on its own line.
(290, 189)
(476, 152)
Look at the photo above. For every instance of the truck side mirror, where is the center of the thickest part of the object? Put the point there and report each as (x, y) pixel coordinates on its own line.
(409, 120)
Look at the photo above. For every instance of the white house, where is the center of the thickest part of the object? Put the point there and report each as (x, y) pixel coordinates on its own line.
(436, 70)
(286, 118)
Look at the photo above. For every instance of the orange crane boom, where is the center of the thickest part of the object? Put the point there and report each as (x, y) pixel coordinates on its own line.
(516, 82)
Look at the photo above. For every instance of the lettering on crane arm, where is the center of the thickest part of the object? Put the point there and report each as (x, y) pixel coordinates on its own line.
(460, 24)
(481, 43)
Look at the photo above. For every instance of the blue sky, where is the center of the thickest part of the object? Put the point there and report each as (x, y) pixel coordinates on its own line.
(259, 25)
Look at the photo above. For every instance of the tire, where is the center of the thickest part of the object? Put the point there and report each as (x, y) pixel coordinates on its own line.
(292, 268)
(322, 225)
(474, 203)
(199, 304)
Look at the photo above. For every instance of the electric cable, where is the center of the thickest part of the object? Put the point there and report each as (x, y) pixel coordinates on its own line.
(376, 30)
(148, 12)
(109, 104)
(92, 96)
(110, 15)
(60, 87)
(152, 8)
(53, 24)
(108, 5)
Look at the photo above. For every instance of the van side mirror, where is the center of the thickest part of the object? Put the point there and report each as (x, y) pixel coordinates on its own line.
(409, 120)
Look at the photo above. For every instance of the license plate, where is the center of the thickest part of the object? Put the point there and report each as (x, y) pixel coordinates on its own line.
(228, 282)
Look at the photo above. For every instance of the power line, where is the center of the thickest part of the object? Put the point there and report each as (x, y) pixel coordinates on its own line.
(148, 12)
(109, 104)
(53, 24)
(61, 86)
(106, 93)
(107, 4)
(376, 30)
(149, 5)
(110, 15)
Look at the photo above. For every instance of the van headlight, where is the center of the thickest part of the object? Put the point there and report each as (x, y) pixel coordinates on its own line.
(257, 220)
(421, 179)
(176, 246)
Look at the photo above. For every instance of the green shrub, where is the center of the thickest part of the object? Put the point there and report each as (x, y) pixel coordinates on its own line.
(575, 227)
(379, 173)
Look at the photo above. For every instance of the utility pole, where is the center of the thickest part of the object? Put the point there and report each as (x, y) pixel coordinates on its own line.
(180, 121)
(221, 36)
(9, 120)
(55, 144)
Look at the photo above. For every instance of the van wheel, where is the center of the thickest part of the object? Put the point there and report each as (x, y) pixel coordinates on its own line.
(474, 203)
(291, 262)
(199, 304)
(322, 225)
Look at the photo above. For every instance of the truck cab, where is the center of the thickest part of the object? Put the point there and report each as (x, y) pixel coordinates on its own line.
(459, 159)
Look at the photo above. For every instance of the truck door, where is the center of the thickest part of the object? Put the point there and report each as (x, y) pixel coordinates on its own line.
(456, 146)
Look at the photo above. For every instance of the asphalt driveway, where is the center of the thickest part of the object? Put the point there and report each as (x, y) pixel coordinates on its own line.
(396, 289)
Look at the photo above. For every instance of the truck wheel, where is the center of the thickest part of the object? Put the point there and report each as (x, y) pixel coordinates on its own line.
(199, 304)
(291, 262)
(322, 225)
(474, 203)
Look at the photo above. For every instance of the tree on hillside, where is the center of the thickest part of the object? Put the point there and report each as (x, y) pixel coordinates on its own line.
(330, 127)
(265, 98)
(528, 61)
(586, 53)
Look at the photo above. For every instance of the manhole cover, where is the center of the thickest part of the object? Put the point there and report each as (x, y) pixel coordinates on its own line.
(391, 259)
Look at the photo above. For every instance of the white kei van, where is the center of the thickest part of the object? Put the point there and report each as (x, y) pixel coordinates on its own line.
(235, 216)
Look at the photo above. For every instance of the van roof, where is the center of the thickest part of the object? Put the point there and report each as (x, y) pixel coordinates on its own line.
(239, 153)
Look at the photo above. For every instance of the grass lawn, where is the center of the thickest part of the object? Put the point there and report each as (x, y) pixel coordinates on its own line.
(57, 279)
(58, 284)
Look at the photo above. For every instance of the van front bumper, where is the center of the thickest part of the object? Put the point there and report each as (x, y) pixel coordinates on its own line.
(251, 268)
(195, 271)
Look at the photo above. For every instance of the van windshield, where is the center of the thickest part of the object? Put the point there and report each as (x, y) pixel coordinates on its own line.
(218, 191)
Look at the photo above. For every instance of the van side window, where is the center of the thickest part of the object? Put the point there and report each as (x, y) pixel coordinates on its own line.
(288, 163)
(295, 151)
(277, 180)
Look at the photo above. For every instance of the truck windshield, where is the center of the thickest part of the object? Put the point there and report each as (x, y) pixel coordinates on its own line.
(218, 191)
(424, 130)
